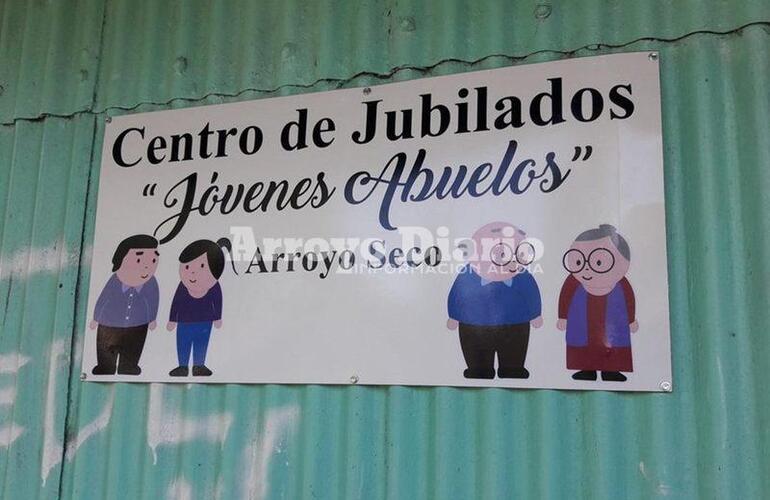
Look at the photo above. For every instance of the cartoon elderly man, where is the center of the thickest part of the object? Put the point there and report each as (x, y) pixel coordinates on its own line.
(494, 301)
(597, 305)
(126, 307)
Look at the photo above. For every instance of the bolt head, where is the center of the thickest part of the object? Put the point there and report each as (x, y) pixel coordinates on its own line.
(108, 119)
(83, 376)
(666, 386)
(354, 379)
(367, 91)
(653, 56)
(542, 11)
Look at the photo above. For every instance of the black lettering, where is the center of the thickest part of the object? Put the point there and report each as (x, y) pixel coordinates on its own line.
(432, 256)
(511, 116)
(597, 104)
(371, 123)
(257, 261)
(117, 147)
(323, 126)
(222, 136)
(462, 113)
(256, 142)
(624, 102)
(203, 148)
(481, 109)
(156, 144)
(377, 254)
(176, 140)
(555, 98)
(406, 125)
(427, 117)
(301, 126)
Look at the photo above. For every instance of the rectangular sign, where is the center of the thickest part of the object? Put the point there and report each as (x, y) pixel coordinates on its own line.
(501, 228)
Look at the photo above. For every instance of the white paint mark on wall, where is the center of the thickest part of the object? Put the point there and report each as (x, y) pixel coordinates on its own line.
(27, 261)
(661, 488)
(92, 428)
(10, 433)
(219, 489)
(279, 422)
(52, 446)
(171, 428)
(7, 396)
(180, 489)
(11, 362)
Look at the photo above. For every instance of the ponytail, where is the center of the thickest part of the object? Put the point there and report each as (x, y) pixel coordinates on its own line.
(224, 244)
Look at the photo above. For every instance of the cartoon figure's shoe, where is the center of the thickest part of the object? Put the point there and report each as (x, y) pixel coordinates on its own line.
(584, 375)
(476, 373)
(131, 370)
(179, 371)
(103, 370)
(513, 372)
(201, 371)
(613, 377)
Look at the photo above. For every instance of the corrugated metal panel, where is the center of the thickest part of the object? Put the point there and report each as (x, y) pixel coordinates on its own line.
(156, 52)
(43, 180)
(48, 57)
(706, 440)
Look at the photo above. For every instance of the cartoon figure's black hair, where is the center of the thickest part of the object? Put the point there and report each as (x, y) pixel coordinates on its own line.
(214, 254)
(136, 241)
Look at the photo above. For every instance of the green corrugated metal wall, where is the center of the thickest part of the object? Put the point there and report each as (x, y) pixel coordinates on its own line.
(65, 66)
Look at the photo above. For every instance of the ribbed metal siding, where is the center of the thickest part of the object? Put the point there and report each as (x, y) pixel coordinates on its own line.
(48, 57)
(44, 168)
(708, 439)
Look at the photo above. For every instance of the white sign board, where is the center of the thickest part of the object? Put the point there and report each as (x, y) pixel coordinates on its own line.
(501, 228)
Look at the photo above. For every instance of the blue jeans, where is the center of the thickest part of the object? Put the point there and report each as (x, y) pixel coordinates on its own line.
(192, 337)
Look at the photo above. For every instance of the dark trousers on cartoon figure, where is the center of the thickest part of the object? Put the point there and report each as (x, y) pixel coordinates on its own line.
(119, 348)
(480, 344)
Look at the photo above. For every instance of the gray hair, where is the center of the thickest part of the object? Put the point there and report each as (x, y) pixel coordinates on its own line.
(607, 231)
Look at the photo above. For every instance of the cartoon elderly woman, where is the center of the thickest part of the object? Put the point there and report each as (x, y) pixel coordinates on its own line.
(597, 305)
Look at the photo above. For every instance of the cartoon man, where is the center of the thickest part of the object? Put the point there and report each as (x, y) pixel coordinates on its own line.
(494, 301)
(597, 305)
(127, 307)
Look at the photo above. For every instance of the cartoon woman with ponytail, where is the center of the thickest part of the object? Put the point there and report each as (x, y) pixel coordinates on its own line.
(197, 303)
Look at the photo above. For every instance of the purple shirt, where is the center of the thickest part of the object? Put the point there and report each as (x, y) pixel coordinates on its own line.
(187, 309)
(123, 306)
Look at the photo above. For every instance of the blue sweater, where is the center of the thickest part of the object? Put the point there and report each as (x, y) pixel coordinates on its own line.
(187, 309)
(493, 303)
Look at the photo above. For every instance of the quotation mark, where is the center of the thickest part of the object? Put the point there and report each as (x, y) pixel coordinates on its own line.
(149, 189)
(579, 152)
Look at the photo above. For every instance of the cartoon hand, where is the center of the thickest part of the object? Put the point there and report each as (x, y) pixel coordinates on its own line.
(218, 323)
(93, 324)
(634, 326)
(170, 326)
(561, 324)
(537, 322)
(452, 324)
(152, 325)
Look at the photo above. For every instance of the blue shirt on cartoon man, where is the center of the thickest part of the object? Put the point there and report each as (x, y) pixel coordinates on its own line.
(476, 301)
